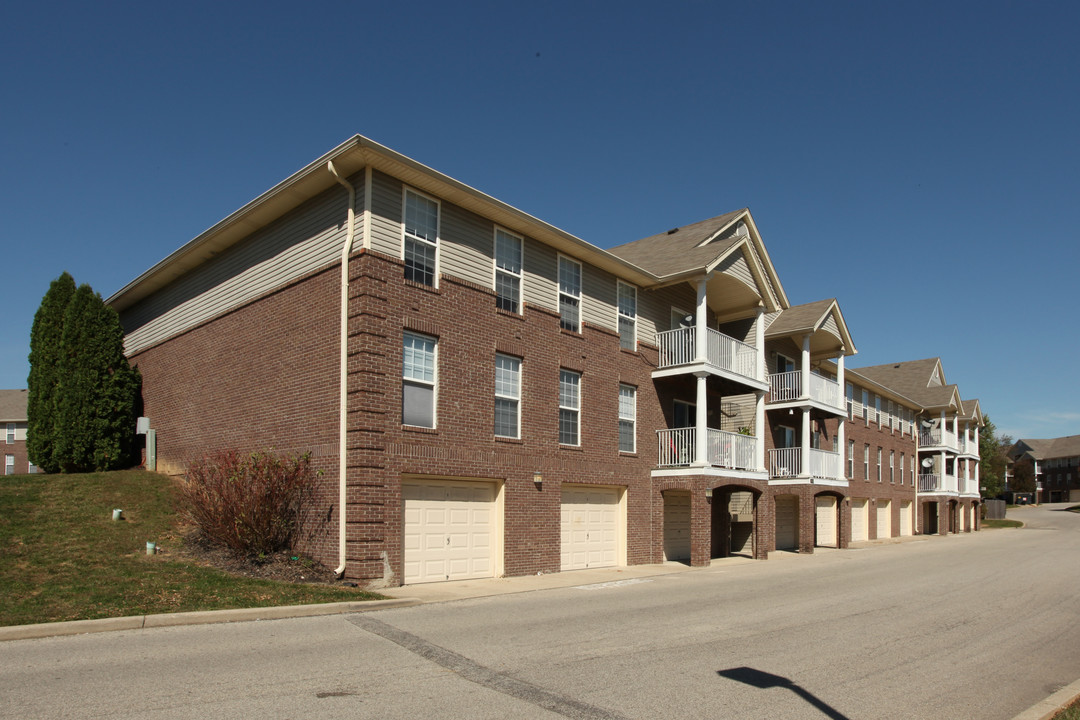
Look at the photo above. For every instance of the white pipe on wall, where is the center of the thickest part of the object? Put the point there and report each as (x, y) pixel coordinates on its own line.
(344, 375)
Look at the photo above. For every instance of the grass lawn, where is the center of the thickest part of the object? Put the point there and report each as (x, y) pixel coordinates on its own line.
(1074, 508)
(988, 523)
(1070, 713)
(62, 557)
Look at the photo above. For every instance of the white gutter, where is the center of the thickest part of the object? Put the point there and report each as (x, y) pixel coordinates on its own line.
(344, 376)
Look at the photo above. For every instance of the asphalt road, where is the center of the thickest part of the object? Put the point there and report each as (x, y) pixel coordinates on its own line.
(973, 626)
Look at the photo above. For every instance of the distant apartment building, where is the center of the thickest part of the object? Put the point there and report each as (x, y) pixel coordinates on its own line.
(1056, 464)
(13, 422)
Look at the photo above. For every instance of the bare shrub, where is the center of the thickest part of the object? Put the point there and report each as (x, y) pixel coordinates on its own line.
(251, 503)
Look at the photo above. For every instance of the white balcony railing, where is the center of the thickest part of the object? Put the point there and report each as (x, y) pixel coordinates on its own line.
(676, 447)
(787, 462)
(725, 449)
(824, 463)
(933, 482)
(787, 386)
(938, 438)
(677, 347)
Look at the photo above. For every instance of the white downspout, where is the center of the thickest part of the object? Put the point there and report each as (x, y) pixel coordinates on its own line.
(344, 376)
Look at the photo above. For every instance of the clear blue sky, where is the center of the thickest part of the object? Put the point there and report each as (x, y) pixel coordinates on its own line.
(917, 161)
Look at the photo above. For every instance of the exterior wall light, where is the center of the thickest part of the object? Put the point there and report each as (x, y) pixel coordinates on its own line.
(708, 492)
(538, 479)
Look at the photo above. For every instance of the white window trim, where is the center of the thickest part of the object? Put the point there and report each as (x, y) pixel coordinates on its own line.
(405, 190)
(9, 464)
(495, 269)
(632, 419)
(516, 399)
(559, 293)
(619, 313)
(851, 459)
(879, 464)
(866, 461)
(10, 434)
(892, 466)
(434, 384)
(576, 410)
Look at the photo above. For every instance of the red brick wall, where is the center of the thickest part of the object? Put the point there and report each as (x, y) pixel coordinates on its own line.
(896, 492)
(17, 448)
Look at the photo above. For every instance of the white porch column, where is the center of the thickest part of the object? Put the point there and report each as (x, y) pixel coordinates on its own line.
(956, 426)
(759, 343)
(804, 367)
(759, 431)
(944, 473)
(701, 323)
(840, 439)
(701, 421)
(804, 443)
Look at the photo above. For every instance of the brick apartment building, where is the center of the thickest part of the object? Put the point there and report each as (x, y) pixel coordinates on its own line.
(13, 422)
(1056, 464)
(488, 395)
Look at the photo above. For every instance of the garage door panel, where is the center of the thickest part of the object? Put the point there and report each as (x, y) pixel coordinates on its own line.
(590, 528)
(787, 522)
(858, 520)
(825, 519)
(449, 530)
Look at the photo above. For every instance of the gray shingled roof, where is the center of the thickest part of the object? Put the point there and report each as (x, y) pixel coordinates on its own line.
(13, 405)
(676, 251)
(799, 319)
(1068, 446)
(912, 379)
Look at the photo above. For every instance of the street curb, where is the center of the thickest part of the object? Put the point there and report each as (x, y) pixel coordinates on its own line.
(204, 617)
(1052, 705)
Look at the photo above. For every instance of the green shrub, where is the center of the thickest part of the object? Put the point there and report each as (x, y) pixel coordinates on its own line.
(251, 503)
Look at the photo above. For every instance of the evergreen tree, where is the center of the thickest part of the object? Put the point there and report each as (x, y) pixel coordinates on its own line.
(97, 391)
(45, 351)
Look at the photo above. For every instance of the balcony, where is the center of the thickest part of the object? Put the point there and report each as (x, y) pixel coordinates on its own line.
(786, 387)
(678, 348)
(935, 483)
(787, 463)
(725, 449)
(938, 438)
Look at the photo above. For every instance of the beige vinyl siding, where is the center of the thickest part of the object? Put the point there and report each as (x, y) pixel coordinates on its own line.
(654, 309)
(830, 326)
(466, 246)
(599, 298)
(305, 239)
(738, 411)
(540, 275)
(735, 265)
(386, 214)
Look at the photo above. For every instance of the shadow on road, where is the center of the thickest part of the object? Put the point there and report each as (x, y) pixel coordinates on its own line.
(764, 680)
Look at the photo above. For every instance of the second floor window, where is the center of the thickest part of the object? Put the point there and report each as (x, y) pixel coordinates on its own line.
(866, 462)
(418, 381)
(10, 433)
(421, 238)
(627, 316)
(569, 407)
(851, 459)
(507, 396)
(569, 294)
(507, 271)
(627, 418)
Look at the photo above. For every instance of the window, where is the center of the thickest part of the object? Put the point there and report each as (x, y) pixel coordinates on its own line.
(850, 400)
(507, 271)
(866, 407)
(570, 294)
(892, 425)
(877, 409)
(10, 433)
(892, 466)
(901, 468)
(9, 464)
(507, 396)
(421, 238)
(627, 418)
(879, 464)
(569, 407)
(851, 459)
(866, 462)
(684, 414)
(627, 316)
(418, 386)
(31, 468)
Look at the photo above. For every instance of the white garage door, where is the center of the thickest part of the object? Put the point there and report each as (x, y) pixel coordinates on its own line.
(905, 518)
(1074, 496)
(961, 518)
(676, 525)
(787, 522)
(858, 520)
(884, 519)
(449, 530)
(590, 527)
(825, 511)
